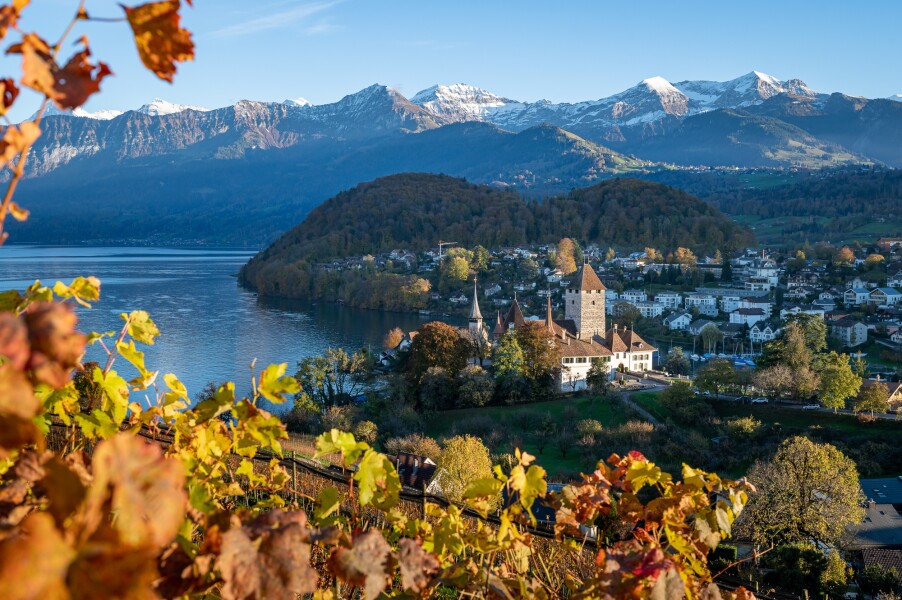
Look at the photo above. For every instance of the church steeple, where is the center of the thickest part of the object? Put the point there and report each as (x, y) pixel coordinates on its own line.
(475, 314)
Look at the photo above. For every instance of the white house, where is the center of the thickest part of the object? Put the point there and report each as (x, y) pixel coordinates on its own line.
(671, 300)
(758, 284)
(678, 321)
(808, 309)
(897, 337)
(885, 297)
(895, 281)
(492, 290)
(650, 309)
(856, 296)
(764, 331)
(730, 302)
(746, 316)
(705, 303)
(758, 302)
(850, 332)
(695, 328)
(633, 296)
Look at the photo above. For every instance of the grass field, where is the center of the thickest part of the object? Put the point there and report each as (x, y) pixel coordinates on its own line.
(651, 401)
(807, 420)
(511, 419)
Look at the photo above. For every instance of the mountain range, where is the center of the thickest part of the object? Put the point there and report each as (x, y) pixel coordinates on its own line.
(181, 163)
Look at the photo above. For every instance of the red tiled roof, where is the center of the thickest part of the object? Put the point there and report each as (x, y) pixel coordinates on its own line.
(589, 281)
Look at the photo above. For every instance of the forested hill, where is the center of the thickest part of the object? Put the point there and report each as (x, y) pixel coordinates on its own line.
(414, 211)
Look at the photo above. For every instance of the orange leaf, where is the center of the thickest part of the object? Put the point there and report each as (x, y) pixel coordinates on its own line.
(16, 138)
(8, 92)
(161, 41)
(9, 15)
(68, 87)
(79, 79)
(18, 213)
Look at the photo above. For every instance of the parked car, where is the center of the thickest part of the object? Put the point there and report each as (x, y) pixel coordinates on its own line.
(745, 399)
(760, 400)
(811, 407)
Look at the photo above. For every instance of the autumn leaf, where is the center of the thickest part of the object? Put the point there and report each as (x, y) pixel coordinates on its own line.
(145, 490)
(35, 560)
(16, 138)
(367, 563)
(8, 93)
(417, 565)
(14, 345)
(160, 39)
(56, 347)
(79, 79)
(18, 407)
(9, 15)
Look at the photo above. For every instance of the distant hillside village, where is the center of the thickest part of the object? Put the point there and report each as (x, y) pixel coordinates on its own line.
(622, 308)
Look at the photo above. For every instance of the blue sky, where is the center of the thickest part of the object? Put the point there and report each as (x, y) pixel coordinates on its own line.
(526, 50)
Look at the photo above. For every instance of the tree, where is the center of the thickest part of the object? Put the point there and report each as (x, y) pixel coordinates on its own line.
(463, 460)
(844, 257)
(332, 378)
(711, 336)
(437, 391)
(681, 402)
(366, 431)
(415, 443)
(392, 338)
(876, 579)
(873, 260)
(599, 376)
(625, 313)
(566, 256)
(838, 382)
(438, 345)
(774, 381)
(873, 397)
(860, 366)
(715, 376)
(726, 272)
(677, 362)
(475, 387)
(808, 492)
(481, 259)
(610, 255)
(456, 268)
(507, 356)
(653, 255)
(541, 357)
(685, 257)
(814, 330)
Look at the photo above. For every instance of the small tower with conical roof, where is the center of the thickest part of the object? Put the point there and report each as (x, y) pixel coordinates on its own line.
(476, 326)
(584, 300)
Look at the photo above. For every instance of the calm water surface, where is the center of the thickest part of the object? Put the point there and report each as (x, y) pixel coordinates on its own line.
(211, 328)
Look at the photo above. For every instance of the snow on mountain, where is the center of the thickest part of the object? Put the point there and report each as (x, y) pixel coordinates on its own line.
(297, 102)
(896, 97)
(460, 102)
(159, 108)
(100, 115)
(748, 90)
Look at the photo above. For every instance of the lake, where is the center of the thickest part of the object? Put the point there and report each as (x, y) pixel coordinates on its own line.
(211, 328)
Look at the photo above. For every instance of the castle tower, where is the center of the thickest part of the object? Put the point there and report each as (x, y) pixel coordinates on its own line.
(475, 315)
(584, 303)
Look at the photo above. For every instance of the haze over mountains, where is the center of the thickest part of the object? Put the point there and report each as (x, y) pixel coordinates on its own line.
(283, 158)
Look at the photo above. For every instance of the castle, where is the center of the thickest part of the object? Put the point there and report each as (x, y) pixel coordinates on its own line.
(581, 336)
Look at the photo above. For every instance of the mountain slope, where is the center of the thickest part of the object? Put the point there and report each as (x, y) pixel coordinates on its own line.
(728, 137)
(415, 210)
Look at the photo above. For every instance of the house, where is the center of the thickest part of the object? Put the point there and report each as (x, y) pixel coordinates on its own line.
(671, 300)
(889, 243)
(757, 302)
(829, 296)
(695, 328)
(730, 302)
(650, 309)
(747, 316)
(491, 290)
(678, 321)
(634, 296)
(807, 309)
(850, 332)
(897, 337)
(705, 303)
(894, 281)
(879, 535)
(759, 284)
(885, 297)
(764, 331)
(414, 470)
(856, 296)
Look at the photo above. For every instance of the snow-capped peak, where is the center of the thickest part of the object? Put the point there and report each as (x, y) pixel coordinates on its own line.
(766, 78)
(460, 102)
(100, 115)
(158, 108)
(659, 85)
(896, 97)
(297, 102)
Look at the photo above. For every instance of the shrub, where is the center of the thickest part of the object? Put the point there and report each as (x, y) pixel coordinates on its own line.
(464, 459)
(588, 427)
(337, 417)
(475, 387)
(415, 443)
(366, 431)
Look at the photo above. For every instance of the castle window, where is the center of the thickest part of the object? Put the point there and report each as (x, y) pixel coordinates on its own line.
(593, 302)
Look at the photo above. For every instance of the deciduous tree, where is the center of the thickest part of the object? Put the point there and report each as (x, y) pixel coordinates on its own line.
(566, 256)
(808, 492)
(873, 397)
(464, 459)
(438, 345)
(677, 362)
(541, 357)
(838, 382)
